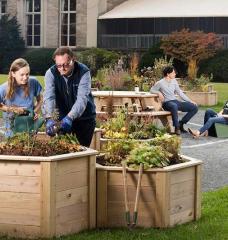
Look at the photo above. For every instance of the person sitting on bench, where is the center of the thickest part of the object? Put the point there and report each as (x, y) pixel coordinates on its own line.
(167, 88)
(210, 118)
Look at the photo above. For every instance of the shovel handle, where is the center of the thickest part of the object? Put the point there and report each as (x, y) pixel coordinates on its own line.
(138, 189)
(125, 187)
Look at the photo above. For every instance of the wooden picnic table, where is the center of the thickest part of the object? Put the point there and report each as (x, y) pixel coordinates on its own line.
(121, 98)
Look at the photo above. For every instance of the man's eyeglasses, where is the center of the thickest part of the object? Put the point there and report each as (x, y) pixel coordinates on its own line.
(65, 65)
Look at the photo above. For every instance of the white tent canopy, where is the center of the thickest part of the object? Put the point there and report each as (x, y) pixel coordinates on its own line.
(168, 8)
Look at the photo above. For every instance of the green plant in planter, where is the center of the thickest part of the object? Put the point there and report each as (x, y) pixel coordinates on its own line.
(199, 84)
(122, 127)
(149, 156)
(27, 144)
(171, 143)
(116, 151)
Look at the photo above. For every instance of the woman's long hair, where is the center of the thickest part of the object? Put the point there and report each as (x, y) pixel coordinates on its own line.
(15, 66)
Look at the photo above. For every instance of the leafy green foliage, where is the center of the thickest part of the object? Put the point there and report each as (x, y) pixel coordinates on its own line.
(97, 58)
(39, 59)
(116, 151)
(149, 156)
(217, 65)
(122, 126)
(11, 43)
(170, 143)
(25, 144)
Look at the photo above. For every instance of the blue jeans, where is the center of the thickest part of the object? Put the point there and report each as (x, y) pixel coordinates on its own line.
(174, 106)
(210, 118)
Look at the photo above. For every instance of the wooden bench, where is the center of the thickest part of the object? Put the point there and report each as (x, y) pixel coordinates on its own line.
(152, 116)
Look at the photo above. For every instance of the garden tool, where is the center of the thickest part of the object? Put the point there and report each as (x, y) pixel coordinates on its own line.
(127, 211)
(26, 122)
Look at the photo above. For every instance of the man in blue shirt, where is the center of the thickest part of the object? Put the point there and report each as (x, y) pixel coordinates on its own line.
(68, 90)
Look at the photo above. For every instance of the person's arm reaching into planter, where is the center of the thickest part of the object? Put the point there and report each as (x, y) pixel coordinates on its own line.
(68, 89)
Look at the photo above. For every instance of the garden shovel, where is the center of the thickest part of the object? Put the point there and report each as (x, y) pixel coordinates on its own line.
(127, 211)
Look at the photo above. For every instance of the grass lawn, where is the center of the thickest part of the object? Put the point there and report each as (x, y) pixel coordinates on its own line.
(213, 225)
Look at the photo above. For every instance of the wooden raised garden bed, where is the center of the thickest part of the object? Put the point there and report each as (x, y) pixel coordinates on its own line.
(203, 98)
(47, 196)
(169, 195)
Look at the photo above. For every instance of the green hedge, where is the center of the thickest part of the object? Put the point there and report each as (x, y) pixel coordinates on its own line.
(217, 65)
(97, 58)
(39, 59)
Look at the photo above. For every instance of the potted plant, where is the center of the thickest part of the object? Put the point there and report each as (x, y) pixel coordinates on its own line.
(170, 186)
(47, 186)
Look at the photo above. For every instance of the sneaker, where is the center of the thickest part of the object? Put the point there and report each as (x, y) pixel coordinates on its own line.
(182, 128)
(177, 131)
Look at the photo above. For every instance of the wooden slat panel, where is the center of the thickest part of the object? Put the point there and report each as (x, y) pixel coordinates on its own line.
(116, 214)
(162, 199)
(19, 169)
(92, 191)
(70, 227)
(73, 212)
(182, 189)
(182, 204)
(20, 231)
(182, 217)
(48, 195)
(71, 196)
(116, 178)
(20, 184)
(19, 200)
(72, 165)
(182, 175)
(20, 216)
(198, 192)
(72, 180)
(102, 200)
(116, 193)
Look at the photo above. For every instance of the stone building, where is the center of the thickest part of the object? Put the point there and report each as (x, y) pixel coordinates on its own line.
(113, 24)
(53, 23)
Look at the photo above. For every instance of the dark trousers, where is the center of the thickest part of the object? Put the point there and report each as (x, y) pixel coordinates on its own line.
(174, 106)
(84, 130)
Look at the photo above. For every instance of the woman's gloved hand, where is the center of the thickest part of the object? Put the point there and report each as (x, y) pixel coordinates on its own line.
(51, 127)
(66, 124)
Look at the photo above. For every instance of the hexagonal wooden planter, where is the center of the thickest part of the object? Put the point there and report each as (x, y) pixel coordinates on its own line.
(203, 98)
(169, 196)
(47, 196)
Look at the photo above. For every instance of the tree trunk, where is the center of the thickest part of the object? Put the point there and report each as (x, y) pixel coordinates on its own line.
(192, 69)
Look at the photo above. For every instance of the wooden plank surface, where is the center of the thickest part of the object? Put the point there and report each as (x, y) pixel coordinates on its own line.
(182, 189)
(19, 184)
(8, 168)
(19, 200)
(102, 200)
(92, 192)
(198, 191)
(72, 180)
(48, 196)
(71, 196)
(72, 165)
(20, 231)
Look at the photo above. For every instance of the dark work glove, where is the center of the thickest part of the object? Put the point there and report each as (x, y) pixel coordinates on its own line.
(66, 125)
(50, 127)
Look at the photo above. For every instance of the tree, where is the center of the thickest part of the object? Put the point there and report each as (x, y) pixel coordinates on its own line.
(11, 43)
(191, 47)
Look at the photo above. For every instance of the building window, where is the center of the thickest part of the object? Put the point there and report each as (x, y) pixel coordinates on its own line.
(33, 22)
(2, 8)
(68, 23)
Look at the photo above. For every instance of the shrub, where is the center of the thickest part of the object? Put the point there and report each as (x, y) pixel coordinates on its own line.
(11, 43)
(39, 59)
(218, 66)
(148, 58)
(97, 58)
